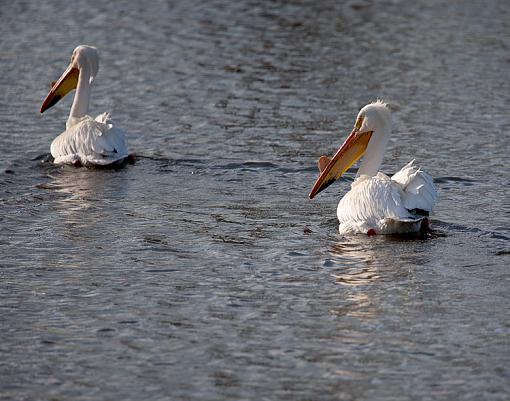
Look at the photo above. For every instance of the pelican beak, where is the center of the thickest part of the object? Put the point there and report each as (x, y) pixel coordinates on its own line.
(66, 83)
(352, 149)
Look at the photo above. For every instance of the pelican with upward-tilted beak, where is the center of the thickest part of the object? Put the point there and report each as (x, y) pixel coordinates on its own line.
(376, 203)
(86, 141)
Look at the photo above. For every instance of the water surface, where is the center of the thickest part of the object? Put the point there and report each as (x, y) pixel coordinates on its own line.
(204, 272)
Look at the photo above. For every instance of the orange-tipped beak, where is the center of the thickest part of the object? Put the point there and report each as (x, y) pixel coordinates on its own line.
(352, 149)
(66, 83)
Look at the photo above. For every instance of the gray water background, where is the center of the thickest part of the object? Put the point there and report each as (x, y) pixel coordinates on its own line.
(203, 272)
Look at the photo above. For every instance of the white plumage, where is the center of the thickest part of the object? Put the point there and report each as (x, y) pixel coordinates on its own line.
(387, 205)
(86, 141)
(376, 203)
(90, 141)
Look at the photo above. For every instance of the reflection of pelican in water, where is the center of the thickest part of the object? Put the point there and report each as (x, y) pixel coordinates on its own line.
(359, 264)
(86, 141)
(356, 268)
(362, 266)
(376, 203)
(84, 197)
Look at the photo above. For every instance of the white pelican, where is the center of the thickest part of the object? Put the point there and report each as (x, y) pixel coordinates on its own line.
(86, 141)
(376, 203)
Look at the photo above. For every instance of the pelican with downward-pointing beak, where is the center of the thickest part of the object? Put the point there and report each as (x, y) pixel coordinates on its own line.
(376, 203)
(86, 141)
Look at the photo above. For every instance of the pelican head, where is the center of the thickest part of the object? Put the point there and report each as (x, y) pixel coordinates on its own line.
(374, 117)
(369, 135)
(84, 60)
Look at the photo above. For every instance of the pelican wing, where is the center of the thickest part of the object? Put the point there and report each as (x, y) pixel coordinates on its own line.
(375, 203)
(372, 199)
(418, 188)
(91, 141)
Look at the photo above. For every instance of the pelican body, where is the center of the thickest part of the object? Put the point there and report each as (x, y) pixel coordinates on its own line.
(86, 141)
(376, 203)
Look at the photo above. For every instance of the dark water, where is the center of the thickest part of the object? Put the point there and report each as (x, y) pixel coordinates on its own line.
(204, 272)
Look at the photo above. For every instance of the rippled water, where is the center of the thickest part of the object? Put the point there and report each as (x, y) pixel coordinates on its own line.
(203, 272)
